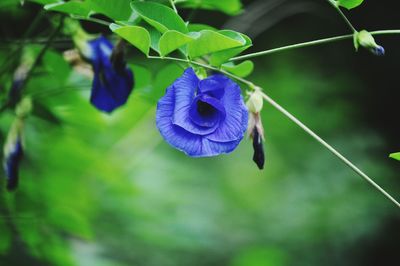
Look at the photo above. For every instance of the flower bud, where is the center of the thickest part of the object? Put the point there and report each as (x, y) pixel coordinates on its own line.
(113, 81)
(20, 76)
(201, 73)
(255, 101)
(13, 147)
(258, 156)
(13, 152)
(366, 40)
(256, 132)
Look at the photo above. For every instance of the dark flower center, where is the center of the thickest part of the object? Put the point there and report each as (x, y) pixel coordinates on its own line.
(205, 109)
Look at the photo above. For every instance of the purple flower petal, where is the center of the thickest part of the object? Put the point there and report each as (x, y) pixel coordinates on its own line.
(214, 86)
(215, 148)
(206, 111)
(185, 89)
(235, 123)
(174, 135)
(111, 89)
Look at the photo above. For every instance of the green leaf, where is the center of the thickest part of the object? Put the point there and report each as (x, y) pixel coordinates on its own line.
(349, 4)
(155, 36)
(43, 2)
(221, 57)
(135, 35)
(395, 156)
(172, 40)
(242, 70)
(43, 112)
(209, 42)
(230, 7)
(160, 16)
(234, 35)
(200, 27)
(72, 8)
(115, 9)
(165, 77)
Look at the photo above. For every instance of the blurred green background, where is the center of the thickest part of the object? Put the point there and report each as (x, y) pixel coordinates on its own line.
(107, 190)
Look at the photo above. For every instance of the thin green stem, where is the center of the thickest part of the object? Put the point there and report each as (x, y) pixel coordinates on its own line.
(335, 5)
(329, 147)
(173, 6)
(309, 43)
(293, 119)
(248, 83)
(385, 32)
(95, 20)
(292, 46)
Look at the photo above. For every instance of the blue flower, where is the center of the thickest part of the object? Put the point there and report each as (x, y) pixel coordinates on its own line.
(379, 50)
(202, 117)
(13, 155)
(112, 83)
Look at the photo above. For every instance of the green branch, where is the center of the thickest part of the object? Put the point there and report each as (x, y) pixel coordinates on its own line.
(310, 43)
(95, 20)
(336, 6)
(173, 6)
(187, 61)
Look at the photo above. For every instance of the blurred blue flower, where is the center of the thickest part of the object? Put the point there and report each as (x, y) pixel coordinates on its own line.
(112, 83)
(202, 117)
(379, 50)
(12, 157)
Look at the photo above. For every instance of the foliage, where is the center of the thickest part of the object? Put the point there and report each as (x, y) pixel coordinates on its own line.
(106, 190)
(350, 4)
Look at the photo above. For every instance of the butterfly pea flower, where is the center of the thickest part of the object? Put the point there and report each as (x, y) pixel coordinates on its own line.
(113, 80)
(202, 118)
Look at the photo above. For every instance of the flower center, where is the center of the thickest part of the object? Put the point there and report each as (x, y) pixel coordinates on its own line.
(205, 109)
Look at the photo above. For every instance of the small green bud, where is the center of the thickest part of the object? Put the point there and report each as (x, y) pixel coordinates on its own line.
(395, 156)
(201, 72)
(366, 40)
(255, 102)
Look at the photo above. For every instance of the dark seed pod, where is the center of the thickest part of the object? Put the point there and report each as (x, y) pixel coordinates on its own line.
(258, 157)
